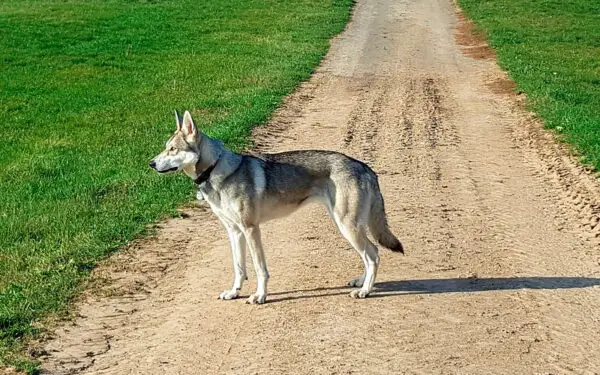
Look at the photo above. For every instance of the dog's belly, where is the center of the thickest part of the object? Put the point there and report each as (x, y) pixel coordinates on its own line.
(275, 208)
(270, 212)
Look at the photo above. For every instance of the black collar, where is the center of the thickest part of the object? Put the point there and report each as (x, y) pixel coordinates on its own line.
(205, 175)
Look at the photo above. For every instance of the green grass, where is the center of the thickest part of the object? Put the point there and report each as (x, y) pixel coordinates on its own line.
(551, 49)
(87, 93)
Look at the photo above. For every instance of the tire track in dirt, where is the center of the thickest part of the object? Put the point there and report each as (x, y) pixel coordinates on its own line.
(502, 271)
(362, 128)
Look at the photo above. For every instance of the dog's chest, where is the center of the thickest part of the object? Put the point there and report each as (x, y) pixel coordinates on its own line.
(210, 195)
(219, 205)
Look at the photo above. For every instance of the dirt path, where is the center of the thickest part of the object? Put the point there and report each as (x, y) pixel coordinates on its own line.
(500, 226)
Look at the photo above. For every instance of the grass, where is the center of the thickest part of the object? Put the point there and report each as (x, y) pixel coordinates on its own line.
(88, 90)
(551, 49)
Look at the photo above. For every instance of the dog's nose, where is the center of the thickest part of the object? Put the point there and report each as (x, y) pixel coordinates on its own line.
(152, 164)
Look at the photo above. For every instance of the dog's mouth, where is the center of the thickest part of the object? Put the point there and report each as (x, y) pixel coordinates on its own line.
(167, 170)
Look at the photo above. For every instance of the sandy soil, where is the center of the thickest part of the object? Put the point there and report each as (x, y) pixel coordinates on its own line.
(499, 223)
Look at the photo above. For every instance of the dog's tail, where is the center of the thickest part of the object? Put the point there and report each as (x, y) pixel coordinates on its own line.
(379, 228)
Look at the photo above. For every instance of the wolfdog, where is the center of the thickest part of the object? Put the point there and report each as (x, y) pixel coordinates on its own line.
(247, 190)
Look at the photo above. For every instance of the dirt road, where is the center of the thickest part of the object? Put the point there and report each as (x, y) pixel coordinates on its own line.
(500, 227)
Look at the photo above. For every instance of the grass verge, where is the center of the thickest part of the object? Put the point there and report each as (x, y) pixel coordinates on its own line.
(88, 92)
(551, 49)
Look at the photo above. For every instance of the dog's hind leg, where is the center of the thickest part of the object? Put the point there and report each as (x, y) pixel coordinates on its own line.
(238, 252)
(328, 202)
(344, 206)
(260, 265)
(359, 281)
(356, 235)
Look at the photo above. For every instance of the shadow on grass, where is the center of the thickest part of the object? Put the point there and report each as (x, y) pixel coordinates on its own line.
(454, 285)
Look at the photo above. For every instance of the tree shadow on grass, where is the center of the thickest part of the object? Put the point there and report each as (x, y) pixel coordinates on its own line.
(453, 285)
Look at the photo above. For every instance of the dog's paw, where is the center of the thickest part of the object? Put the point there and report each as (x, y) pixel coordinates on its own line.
(199, 196)
(229, 294)
(358, 282)
(257, 299)
(359, 293)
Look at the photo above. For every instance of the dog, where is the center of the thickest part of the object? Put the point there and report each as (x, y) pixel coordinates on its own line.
(245, 191)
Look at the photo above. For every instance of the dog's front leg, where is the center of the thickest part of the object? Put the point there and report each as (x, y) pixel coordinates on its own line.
(260, 265)
(238, 252)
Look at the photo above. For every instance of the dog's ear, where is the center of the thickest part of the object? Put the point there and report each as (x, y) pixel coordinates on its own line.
(178, 120)
(187, 126)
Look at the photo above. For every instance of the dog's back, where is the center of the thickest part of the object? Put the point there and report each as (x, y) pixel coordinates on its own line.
(306, 173)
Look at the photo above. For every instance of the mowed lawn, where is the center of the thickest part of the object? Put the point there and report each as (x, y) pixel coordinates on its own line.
(87, 93)
(551, 49)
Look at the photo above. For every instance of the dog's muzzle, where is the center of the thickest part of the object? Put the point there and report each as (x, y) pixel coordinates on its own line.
(152, 165)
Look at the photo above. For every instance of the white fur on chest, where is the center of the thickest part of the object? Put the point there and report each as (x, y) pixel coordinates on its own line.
(225, 209)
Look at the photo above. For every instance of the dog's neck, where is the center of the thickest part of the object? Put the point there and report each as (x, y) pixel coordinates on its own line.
(205, 174)
(211, 154)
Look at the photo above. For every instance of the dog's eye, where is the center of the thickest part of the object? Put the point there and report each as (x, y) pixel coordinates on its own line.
(172, 149)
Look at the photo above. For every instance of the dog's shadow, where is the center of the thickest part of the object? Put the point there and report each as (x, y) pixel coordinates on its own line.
(453, 285)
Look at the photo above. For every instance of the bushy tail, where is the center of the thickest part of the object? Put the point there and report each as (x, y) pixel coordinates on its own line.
(379, 227)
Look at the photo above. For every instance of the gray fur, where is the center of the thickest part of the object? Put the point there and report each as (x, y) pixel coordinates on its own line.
(247, 190)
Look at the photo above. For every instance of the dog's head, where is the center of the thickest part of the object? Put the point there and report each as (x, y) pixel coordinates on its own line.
(182, 149)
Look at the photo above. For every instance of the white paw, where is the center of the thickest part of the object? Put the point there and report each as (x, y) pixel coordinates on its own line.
(359, 293)
(229, 294)
(199, 196)
(257, 299)
(356, 282)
